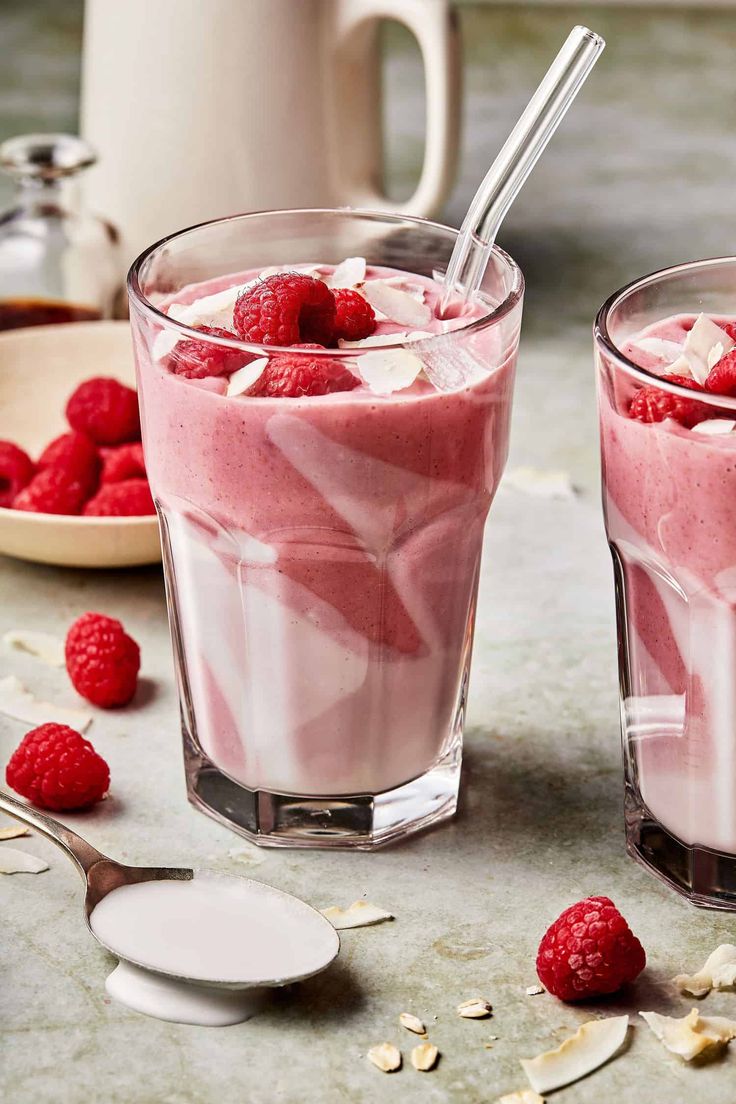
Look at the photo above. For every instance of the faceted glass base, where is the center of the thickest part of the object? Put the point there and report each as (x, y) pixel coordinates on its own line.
(706, 878)
(355, 821)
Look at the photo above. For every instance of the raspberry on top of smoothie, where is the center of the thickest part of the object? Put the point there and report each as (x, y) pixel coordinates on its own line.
(698, 353)
(319, 307)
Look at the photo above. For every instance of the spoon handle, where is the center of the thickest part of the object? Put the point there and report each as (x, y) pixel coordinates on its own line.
(81, 852)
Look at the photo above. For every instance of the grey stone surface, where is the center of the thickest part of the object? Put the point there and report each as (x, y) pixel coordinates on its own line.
(640, 176)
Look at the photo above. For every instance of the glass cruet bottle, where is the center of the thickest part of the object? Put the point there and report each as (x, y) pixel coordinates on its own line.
(58, 263)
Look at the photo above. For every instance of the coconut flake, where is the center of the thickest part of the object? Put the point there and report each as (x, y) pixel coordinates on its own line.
(389, 370)
(659, 347)
(542, 484)
(386, 1057)
(20, 862)
(412, 1023)
(474, 1009)
(396, 305)
(42, 645)
(374, 339)
(594, 1043)
(246, 376)
(316, 270)
(692, 1034)
(249, 856)
(714, 427)
(210, 310)
(701, 342)
(348, 273)
(717, 972)
(533, 990)
(14, 832)
(17, 702)
(361, 914)
(424, 1057)
(523, 1096)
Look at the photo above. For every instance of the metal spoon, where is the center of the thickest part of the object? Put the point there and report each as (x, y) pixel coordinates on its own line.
(102, 875)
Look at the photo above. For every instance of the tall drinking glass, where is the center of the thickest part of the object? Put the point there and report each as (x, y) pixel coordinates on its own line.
(669, 496)
(321, 553)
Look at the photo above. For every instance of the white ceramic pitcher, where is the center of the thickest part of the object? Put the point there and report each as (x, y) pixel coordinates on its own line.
(205, 108)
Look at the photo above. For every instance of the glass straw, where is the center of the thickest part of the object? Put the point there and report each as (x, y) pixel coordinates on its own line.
(503, 181)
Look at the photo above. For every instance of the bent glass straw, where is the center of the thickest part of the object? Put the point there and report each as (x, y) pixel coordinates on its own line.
(506, 176)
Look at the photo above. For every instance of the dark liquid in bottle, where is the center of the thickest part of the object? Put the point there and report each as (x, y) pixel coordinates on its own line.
(15, 313)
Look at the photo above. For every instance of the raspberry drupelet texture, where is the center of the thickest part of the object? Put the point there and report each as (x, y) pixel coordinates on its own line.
(293, 377)
(123, 462)
(722, 376)
(16, 471)
(75, 454)
(106, 410)
(201, 359)
(129, 498)
(285, 309)
(102, 660)
(354, 316)
(590, 950)
(653, 404)
(56, 768)
(51, 491)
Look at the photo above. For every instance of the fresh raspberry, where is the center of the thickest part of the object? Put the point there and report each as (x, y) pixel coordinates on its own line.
(730, 328)
(292, 377)
(75, 454)
(354, 316)
(51, 491)
(200, 359)
(722, 376)
(590, 950)
(123, 462)
(652, 404)
(106, 410)
(130, 498)
(56, 768)
(16, 471)
(102, 660)
(285, 309)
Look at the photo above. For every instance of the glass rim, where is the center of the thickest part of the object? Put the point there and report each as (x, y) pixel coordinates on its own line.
(606, 343)
(492, 318)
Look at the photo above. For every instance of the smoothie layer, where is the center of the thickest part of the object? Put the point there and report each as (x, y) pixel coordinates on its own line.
(669, 492)
(326, 551)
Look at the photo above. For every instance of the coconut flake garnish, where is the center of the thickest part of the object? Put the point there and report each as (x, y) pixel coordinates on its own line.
(717, 972)
(396, 305)
(385, 1057)
(712, 427)
(246, 376)
(592, 1044)
(659, 347)
(210, 310)
(348, 273)
(42, 645)
(424, 1057)
(692, 1034)
(401, 337)
(20, 862)
(361, 914)
(17, 702)
(700, 342)
(14, 832)
(392, 370)
(534, 990)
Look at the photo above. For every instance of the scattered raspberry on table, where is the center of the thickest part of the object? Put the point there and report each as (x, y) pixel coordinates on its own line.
(589, 951)
(106, 410)
(102, 660)
(16, 471)
(56, 768)
(285, 309)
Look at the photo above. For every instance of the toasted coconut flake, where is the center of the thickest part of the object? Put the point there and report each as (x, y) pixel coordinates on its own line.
(475, 1009)
(361, 914)
(690, 1035)
(534, 990)
(20, 862)
(594, 1043)
(14, 832)
(389, 370)
(412, 1023)
(246, 376)
(717, 972)
(701, 346)
(49, 649)
(713, 427)
(522, 1096)
(348, 273)
(385, 1057)
(17, 702)
(396, 305)
(424, 1057)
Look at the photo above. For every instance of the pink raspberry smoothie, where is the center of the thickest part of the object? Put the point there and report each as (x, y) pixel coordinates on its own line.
(325, 550)
(669, 489)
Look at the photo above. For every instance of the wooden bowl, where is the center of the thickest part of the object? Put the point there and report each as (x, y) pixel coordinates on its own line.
(39, 368)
